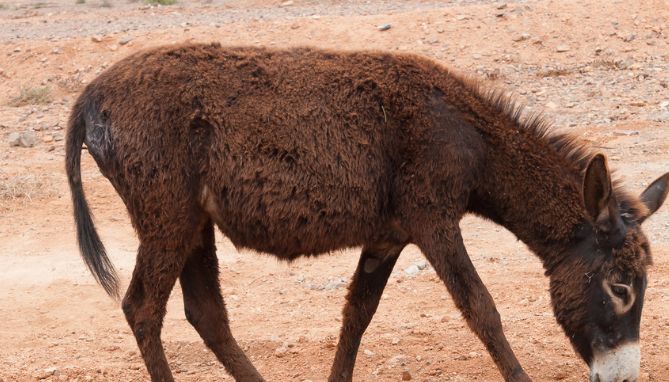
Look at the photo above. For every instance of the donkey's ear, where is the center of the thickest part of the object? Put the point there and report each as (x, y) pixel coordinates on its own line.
(600, 203)
(597, 188)
(655, 194)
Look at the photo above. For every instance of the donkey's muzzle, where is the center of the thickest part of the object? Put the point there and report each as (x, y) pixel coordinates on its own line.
(620, 364)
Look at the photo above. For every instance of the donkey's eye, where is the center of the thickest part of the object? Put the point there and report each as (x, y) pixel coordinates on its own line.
(619, 291)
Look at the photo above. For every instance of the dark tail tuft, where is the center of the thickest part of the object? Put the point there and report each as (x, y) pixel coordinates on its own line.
(90, 245)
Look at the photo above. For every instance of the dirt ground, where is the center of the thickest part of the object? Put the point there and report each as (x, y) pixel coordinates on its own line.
(597, 69)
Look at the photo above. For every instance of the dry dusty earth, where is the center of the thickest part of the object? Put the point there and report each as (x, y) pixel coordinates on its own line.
(598, 69)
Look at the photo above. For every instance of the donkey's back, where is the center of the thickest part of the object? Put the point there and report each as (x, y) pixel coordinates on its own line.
(289, 152)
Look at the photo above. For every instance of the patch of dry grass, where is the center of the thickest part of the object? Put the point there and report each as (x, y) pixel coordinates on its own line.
(556, 72)
(24, 188)
(605, 64)
(32, 96)
(161, 2)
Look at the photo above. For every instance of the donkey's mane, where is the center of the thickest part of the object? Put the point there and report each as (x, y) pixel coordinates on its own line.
(574, 150)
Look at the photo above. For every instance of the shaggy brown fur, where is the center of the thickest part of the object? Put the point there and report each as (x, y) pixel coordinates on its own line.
(302, 152)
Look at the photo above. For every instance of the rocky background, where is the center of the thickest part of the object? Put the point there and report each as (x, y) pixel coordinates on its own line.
(597, 69)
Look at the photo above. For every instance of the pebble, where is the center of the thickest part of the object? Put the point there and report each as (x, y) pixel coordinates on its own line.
(335, 283)
(522, 37)
(412, 270)
(124, 40)
(24, 139)
(398, 360)
(287, 3)
(96, 38)
(384, 27)
(46, 373)
(368, 353)
(281, 351)
(551, 105)
(562, 48)
(47, 139)
(406, 376)
(661, 117)
(624, 64)
(625, 133)
(629, 37)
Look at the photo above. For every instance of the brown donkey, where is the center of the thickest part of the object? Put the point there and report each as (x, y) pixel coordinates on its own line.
(303, 152)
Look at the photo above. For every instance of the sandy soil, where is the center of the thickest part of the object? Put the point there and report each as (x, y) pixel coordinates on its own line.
(600, 71)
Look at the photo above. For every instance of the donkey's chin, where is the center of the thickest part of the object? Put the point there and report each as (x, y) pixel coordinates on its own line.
(620, 364)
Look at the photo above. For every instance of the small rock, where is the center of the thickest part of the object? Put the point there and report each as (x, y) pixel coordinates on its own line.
(625, 133)
(461, 17)
(522, 37)
(335, 283)
(47, 139)
(629, 37)
(281, 351)
(368, 353)
(664, 104)
(562, 48)
(624, 64)
(551, 105)
(14, 139)
(56, 50)
(96, 38)
(287, 3)
(421, 265)
(58, 137)
(395, 341)
(124, 40)
(398, 360)
(661, 117)
(25, 139)
(406, 376)
(46, 373)
(384, 27)
(502, 6)
(412, 270)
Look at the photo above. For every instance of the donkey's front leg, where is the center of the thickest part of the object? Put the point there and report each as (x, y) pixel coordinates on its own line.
(447, 254)
(371, 276)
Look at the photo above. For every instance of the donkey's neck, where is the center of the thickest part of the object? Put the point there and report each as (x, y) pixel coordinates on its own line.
(531, 189)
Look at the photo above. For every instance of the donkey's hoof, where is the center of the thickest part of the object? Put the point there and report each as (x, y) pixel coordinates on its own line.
(519, 375)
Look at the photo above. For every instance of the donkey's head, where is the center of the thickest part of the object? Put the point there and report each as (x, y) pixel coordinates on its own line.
(598, 288)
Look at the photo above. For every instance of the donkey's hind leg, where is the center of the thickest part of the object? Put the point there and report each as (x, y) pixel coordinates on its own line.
(205, 309)
(371, 276)
(159, 263)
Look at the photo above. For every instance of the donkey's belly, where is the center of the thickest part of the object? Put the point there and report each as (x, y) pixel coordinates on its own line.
(295, 222)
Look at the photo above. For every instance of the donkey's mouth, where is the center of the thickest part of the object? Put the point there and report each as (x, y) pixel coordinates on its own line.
(620, 364)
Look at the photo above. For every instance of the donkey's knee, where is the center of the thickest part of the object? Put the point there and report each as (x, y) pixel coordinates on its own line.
(129, 310)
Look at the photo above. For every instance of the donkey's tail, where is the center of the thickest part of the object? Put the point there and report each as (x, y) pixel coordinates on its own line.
(90, 245)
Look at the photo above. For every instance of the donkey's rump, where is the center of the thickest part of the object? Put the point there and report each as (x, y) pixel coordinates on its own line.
(288, 151)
